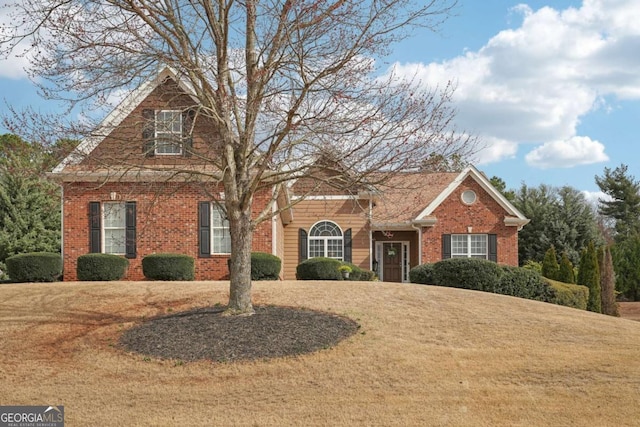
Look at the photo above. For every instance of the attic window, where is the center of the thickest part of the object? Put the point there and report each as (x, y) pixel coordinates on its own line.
(168, 132)
(469, 197)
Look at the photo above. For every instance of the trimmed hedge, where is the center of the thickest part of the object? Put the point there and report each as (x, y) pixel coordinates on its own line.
(101, 267)
(319, 268)
(523, 283)
(483, 275)
(265, 266)
(575, 296)
(467, 273)
(168, 267)
(422, 274)
(34, 267)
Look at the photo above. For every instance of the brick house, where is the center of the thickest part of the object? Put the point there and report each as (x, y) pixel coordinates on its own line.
(128, 190)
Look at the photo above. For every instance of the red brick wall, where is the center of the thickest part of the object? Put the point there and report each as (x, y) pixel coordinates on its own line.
(485, 216)
(167, 221)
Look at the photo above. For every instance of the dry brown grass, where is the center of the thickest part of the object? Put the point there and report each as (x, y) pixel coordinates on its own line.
(425, 356)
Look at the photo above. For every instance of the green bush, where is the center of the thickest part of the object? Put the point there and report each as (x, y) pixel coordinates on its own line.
(168, 267)
(319, 268)
(34, 267)
(533, 265)
(101, 267)
(468, 273)
(575, 296)
(422, 274)
(523, 283)
(265, 266)
(367, 276)
(359, 274)
(3, 272)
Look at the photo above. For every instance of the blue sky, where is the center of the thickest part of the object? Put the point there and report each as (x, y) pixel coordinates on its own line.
(551, 88)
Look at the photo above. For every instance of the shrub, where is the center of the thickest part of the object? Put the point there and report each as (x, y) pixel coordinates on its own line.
(99, 267)
(367, 275)
(550, 267)
(355, 272)
(168, 267)
(3, 272)
(265, 266)
(565, 272)
(34, 267)
(575, 296)
(523, 283)
(533, 265)
(589, 276)
(467, 273)
(319, 268)
(422, 274)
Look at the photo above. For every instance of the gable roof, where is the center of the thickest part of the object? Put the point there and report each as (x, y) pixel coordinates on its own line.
(412, 198)
(118, 114)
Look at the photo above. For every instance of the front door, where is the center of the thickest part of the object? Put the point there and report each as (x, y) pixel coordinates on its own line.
(392, 262)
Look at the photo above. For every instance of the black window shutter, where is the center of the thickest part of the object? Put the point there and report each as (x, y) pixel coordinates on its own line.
(130, 230)
(95, 242)
(347, 246)
(302, 245)
(204, 229)
(148, 132)
(187, 137)
(446, 246)
(493, 247)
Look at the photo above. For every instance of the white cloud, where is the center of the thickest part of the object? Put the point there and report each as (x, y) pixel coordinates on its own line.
(532, 84)
(13, 65)
(594, 196)
(579, 150)
(494, 150)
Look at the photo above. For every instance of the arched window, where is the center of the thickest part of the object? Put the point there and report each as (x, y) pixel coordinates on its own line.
(326, 240)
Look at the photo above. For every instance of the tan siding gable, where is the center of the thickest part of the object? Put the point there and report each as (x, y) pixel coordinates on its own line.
(346, 213)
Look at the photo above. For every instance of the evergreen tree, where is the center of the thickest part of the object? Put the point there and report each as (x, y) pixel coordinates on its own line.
(626, 263)
(550, 267)
(624, 206)
(561, 217)
(29, 216)
(501, 186)
(29, 203)
(607, 282)
(566, 273)
(589, 276)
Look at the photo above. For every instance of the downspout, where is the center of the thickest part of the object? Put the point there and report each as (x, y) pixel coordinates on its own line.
(370, 236)
(62, 227)
(418, 228)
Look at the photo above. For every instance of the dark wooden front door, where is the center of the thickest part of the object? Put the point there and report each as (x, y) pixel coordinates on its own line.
(392, 262)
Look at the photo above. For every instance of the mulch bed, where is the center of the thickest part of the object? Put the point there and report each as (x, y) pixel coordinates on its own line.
(206, 334)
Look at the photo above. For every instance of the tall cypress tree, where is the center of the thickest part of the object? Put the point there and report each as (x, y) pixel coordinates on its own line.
(550, 267)
(607, 282)
(566, 274)
(589, 276)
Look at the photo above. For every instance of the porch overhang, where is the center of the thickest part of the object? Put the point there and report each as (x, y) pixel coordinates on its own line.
(410, 225)
(510, 221)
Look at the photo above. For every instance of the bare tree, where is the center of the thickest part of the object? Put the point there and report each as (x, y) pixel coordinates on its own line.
(280, 80)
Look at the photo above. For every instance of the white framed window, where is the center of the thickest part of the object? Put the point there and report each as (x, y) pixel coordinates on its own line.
(168, 132)
(469, 246)
(220, 236)
(469, 197)
(326, 240)
(114, 228)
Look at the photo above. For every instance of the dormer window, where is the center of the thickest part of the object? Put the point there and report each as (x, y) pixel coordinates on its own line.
(168, 132)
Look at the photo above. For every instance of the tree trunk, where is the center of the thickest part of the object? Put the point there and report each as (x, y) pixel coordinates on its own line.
(240, 228)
